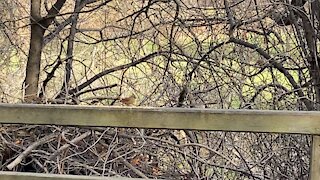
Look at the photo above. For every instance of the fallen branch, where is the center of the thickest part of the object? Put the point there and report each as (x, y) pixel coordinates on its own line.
(29, 149)
(130, 166)
(72, 142)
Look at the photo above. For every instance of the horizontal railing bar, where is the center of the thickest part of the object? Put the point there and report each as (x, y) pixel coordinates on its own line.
(305, 122)
(6, 175)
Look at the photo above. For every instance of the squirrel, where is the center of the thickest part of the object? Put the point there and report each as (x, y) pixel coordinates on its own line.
(128, 101)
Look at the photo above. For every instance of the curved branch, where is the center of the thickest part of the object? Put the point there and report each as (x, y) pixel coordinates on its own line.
(261, 88)
(279, 67)
(108, 71)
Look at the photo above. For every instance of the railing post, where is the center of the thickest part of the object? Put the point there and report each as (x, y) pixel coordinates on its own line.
(315, 158)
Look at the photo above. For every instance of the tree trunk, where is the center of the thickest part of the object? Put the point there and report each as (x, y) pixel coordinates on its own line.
(34, 57)
(68, 67)
(312, 56)
(38, 27)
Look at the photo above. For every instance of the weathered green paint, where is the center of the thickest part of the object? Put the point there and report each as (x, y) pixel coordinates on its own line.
(169, 118)
(40, 176)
